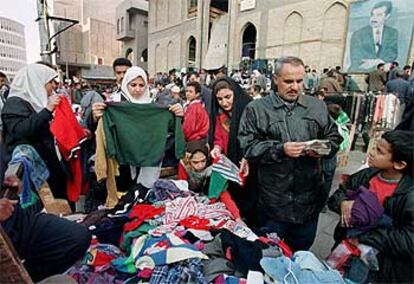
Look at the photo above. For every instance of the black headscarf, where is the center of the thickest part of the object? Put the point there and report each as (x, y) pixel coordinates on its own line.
(240, 100)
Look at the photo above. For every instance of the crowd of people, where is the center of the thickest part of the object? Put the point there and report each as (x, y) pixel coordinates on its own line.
(260, 151)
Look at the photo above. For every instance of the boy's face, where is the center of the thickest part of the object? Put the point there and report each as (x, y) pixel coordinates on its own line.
(191, 93)
(381, 156)
(198, 161)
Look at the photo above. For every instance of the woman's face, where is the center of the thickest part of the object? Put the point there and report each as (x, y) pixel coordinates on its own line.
(50, 87)
(198, 161)
(225, 99)
(136, 87)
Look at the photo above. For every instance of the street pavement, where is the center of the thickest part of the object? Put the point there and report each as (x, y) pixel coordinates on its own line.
(328, 219)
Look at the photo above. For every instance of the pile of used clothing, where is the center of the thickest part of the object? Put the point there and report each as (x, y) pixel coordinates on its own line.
(169, 234)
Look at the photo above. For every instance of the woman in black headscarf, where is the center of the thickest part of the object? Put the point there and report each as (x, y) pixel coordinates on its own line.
(228, 103)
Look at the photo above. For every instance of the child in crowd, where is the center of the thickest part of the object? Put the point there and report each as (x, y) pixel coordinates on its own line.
(390, 177)
(193, 167)
(195, 170)
(196, 122)
(329, 165)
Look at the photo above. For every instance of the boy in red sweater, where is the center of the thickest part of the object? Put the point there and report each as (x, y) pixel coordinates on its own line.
(196, 122)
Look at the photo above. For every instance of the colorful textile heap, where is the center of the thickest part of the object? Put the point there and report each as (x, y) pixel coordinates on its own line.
(164, 189)
(129, 237)
(223, 171)
(148, 252)
(191, 213)
(99, 255)
(139, 214)
(184, 207)
(96, 268)
(188, 271)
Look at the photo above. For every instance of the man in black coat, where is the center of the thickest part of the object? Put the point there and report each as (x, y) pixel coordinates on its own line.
(400, 87)
(272, 133)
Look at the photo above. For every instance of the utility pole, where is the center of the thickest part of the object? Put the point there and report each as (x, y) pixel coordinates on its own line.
(230, 4)
(44, 31)
(48, 45)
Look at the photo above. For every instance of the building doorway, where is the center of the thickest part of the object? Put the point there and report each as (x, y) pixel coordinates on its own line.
(249, 42)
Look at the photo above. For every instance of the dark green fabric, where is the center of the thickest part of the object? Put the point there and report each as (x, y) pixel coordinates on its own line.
(136, 133)
(126, 243)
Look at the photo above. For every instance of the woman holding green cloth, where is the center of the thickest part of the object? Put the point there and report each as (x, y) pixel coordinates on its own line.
(135, 90)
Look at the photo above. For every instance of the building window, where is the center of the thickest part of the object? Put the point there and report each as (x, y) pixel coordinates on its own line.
(144, 55)
(117, 26)
(192, 8)
(100, 61)
(192, 3)
(122, 24)
(191, 52)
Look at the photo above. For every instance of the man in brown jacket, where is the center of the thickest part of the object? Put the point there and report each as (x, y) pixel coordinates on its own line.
(330, 83)
(376, 79)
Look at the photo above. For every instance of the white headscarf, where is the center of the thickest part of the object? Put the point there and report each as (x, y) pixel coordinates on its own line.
(131, 74)
(29, 84)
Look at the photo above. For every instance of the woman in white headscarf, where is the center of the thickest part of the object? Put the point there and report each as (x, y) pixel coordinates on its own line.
(135, 89)
(26, 116)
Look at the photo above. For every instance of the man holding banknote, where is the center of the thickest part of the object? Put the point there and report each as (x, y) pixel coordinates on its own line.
(276, 135)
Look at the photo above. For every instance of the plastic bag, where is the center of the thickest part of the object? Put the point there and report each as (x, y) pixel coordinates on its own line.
(340, 255)
(369, 256)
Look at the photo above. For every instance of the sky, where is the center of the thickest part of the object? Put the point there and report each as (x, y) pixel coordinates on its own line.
(24, 12)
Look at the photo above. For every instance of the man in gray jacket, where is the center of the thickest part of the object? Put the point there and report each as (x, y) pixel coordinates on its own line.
(272, 134)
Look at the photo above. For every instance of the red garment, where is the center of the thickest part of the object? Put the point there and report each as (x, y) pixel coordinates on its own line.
(281, 244)
(222, 132)
(145, 273)
(101, 259)
(196, 122)
(225, 197)
(69, 134)
(194, 222)
(382, 188)
(140, 213)
(182, 172)
(66, 128)
(285, 249)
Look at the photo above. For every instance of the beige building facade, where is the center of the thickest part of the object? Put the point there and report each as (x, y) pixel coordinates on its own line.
(91, 42)
(132, 30)
(314, 30)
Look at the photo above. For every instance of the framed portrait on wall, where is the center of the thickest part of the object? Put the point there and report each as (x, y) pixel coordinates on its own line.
(379, 31)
